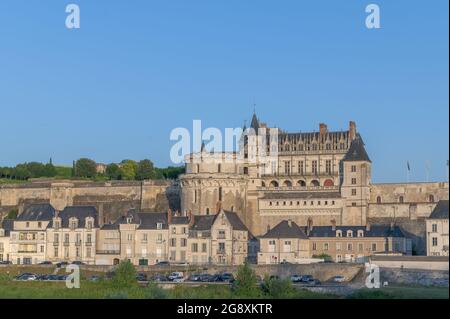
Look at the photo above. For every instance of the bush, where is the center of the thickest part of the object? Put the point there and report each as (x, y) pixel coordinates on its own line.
(155, 292)
(278, 288)
(124, 276)
(245, 284)
(117, 295)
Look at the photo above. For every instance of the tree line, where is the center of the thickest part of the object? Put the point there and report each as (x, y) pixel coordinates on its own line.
(87, 168)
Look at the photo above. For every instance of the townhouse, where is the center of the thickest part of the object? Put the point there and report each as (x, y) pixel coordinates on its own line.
(288, 242)
(5, 229)
(437, 230)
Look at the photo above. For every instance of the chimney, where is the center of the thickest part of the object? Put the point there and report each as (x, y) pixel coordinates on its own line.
(218, 206)
(352, 130)
(169, 216)
(368, 226)
(392, 226)
(268, 228)
(289, 223)
(191, 218)
(333, 225)
(323, 129)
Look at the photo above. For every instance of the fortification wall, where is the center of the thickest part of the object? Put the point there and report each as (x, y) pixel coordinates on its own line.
(110, 198)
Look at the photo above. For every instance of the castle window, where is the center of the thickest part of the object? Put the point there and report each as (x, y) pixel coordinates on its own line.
(325, 246)
(314, 167)
(300, 147)
(326, 203)
(341, 146)
(304, 203)
(328, 167)
(287, 167)
(431, 199)
(349, 233)
(219, 168)
(401, 199)
(338, 233)
(354, 192)
(314, 147)
(207, 211)
(434, 228)
(318, 203)
(270, 203)
(353, 168)
(378, 199)
(328, 147)
(301, 167)
(220, 193)
(360, 233)
(353, 181)
(198, 168)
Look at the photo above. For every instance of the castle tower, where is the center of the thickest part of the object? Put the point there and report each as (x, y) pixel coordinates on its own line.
(355, 183)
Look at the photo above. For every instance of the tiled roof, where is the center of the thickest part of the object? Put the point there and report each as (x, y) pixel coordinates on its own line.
(440, 211)
(285, 229)
(37, 212)
(301, 195)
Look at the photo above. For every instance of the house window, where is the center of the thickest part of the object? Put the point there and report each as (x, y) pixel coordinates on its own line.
(349, 246)
(219, 168)
(130, 237)
(220, 193)
(338, 246)
(353, 168)
(66, 238)
(314, 246)
(287, 167)
(39, 224)
(55, 252)
(314, 167)
(144, 238)
(271, 246)
(434, 228)
(89, 238)
(207, 211)
(158, 225)
(301, 167)
(89, 224)
(435, 241)
(360, 247)
(204, 248)
(174, 230)
(328, 167)
(353, 181)
(173, 242)
(183, 242)
(77, 252)
(374, 246)
(325, 246)
(221, 247)
(88, 252)
(27, 224)
(56, 238)
(354, 192)
(159, 238)
(194, 247)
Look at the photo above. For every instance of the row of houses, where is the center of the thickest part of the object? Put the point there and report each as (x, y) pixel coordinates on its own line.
(41, 233)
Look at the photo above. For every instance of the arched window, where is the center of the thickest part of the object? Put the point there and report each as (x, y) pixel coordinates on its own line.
(360, 233)
(401, 199)
(273, 184)
(301, 183)
(431, 199)
(378, 199)
(338, 233)
(349, 233)
(328, 183)
(315, 183)
(263, 184)
(287, 184)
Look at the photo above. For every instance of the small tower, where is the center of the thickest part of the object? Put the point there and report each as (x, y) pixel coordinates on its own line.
(355, 183)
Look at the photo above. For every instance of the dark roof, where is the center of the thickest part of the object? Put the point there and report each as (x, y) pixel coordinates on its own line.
(78, 212)
(255, 123)
(203, 222)
(300, 195)
(7, 226)
(357, 152)
(286, 229)
(440, 211)
(235, 221)
(37, 212)
(110, 226)
(180, 220)
(375, 231)
(151, 220)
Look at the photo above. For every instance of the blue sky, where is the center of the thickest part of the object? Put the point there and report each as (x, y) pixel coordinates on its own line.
(115, 88)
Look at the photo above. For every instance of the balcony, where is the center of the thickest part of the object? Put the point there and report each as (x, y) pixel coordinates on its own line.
(89, 243)
(78, 243)
(221, 236)
(220, 252)
(56, 243)
(108, 252)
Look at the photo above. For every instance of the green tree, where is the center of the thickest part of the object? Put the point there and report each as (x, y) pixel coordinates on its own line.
(278, 288)
(245, 284)
(113, 171)
(145, 170)
(128, 170)
(124, 276)
(12, 214)
(85, 167)
(49, 170)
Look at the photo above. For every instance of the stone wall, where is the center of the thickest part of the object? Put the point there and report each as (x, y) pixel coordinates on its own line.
(414, 277)
(110, 198)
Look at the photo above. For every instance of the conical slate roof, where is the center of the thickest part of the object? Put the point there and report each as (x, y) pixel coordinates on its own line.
(357, 152)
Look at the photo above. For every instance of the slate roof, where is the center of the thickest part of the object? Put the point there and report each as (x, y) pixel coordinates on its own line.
(255, 123)
(79, 212)
(37, 212)
(7, 226)
(286, 230)
(301, 195)
(235, 221)
(375, 231)
(151, 220)
(440, 211)
(357, 152)
(178, 220)
(203, 222)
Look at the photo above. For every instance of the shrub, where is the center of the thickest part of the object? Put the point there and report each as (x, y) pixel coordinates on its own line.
(278, 288)
(245, 284)
(124, 276)
(155, 292)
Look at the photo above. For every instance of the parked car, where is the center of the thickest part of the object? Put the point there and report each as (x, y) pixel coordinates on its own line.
(141, 277)
(46, 262)
(159, 277)
(227, 277)
(338, 279)
(307, 278)
(205, 278)
(62, 277)
(5, 262)
(26, 277)
(77, 262)
(62, 264)
(176, 275)
(296, 278)
(194, 277)
(314, 282)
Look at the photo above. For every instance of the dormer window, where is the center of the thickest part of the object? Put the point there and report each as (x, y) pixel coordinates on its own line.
(129, 220)
(89, 223)
(360, 233)
(56, 224)
(159, 225)
(349, 233)
(73, 224)
(338, 233)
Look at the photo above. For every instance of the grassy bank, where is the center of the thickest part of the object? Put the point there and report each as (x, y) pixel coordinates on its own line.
(402, 292)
